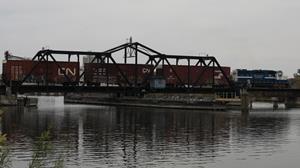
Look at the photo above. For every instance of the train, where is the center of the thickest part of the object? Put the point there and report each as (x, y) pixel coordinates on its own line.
(259, 78)
(96, 74)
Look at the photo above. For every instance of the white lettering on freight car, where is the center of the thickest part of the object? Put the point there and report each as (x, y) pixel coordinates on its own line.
(218, 74)
(99, 71)
(145, 70)
(67, 71)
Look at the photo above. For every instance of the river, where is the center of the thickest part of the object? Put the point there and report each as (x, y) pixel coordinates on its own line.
(100, 136)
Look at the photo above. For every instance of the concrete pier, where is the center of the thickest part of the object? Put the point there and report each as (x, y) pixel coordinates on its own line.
(275, 105)
(245, 101)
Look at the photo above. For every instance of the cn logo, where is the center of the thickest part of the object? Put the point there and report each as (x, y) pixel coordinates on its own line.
(67, 71)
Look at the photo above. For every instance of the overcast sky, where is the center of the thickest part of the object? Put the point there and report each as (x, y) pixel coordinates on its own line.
(253, 34)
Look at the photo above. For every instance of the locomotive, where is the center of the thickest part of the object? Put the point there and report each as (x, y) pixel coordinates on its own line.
(259, 78)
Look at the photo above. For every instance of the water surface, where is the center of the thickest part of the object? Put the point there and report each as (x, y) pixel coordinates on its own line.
(101, 136)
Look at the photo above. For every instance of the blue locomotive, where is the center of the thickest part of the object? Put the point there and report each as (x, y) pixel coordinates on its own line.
(259, 78)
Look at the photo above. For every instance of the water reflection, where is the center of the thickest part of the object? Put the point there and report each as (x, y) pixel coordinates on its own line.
(91, 136)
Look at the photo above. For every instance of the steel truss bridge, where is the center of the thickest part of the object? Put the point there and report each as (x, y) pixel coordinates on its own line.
(128, 53)
(137, 54)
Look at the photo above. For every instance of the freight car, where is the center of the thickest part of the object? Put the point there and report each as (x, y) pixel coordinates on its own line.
(259, 78)
(110, 74)
(17, 70)
(199, 75)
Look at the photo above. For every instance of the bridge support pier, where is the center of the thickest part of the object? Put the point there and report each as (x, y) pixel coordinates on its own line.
(250, 104)
(8, 91)
(275, 105)
(245, 101)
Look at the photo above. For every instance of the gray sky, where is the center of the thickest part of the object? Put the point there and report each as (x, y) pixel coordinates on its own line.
(240, 33)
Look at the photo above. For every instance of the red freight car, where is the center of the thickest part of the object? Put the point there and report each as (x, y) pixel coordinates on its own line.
(97, 74)
(16, 70)
(199, 76)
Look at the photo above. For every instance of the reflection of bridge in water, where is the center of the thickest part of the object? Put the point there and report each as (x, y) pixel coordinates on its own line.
(136, 133)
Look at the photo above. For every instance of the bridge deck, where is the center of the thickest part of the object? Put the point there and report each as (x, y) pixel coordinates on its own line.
(265, 92)
(104, 89)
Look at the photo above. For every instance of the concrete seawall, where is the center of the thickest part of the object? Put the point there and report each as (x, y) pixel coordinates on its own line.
(176, 101)
(17, 101)
(152, 100)
(8, 100)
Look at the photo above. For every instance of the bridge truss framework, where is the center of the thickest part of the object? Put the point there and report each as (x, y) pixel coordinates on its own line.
(130, 50)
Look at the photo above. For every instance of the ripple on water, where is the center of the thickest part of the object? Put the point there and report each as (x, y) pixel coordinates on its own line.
(91, 136)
